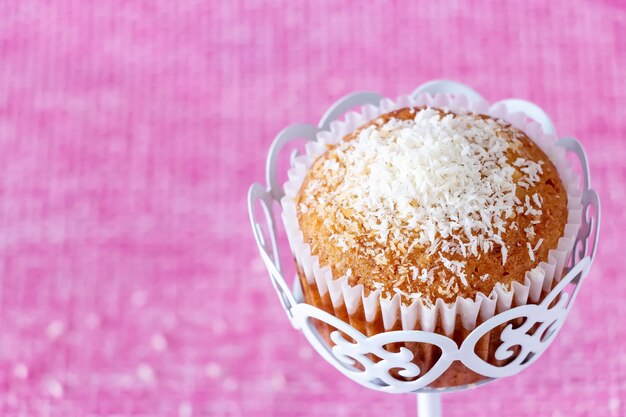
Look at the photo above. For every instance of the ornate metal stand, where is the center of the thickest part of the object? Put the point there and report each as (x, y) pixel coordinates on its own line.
(351, 355)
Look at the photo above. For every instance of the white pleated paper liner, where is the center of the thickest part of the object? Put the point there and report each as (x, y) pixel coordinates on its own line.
(419, 314)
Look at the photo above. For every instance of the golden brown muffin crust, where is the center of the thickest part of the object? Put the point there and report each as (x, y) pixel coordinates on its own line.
(393, 267)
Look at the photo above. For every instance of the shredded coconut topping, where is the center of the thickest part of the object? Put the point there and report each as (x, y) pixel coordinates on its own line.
(447, 176)
(531, 252)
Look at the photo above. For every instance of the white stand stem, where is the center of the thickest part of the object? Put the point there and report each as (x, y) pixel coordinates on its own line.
(429, 405)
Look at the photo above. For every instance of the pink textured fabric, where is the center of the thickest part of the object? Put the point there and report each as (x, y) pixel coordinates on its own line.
(130, 132)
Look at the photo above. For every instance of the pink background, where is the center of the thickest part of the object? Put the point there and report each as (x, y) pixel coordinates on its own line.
(130, 132)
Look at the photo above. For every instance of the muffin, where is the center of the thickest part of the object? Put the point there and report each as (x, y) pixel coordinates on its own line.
(430, 209)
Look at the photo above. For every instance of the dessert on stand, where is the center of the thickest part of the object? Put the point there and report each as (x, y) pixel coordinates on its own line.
(423, 346)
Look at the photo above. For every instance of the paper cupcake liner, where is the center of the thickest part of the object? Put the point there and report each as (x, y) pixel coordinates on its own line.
(374, 313)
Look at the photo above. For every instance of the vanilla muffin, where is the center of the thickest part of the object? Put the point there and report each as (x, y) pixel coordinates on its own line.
(430, 204)
(433, 206)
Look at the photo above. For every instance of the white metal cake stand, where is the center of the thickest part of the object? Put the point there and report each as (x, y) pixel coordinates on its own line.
(352, 355)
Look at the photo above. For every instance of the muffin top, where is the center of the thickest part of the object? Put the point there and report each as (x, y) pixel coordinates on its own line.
(432, 204)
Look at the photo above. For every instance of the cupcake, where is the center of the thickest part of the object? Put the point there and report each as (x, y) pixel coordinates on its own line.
(428, 219)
